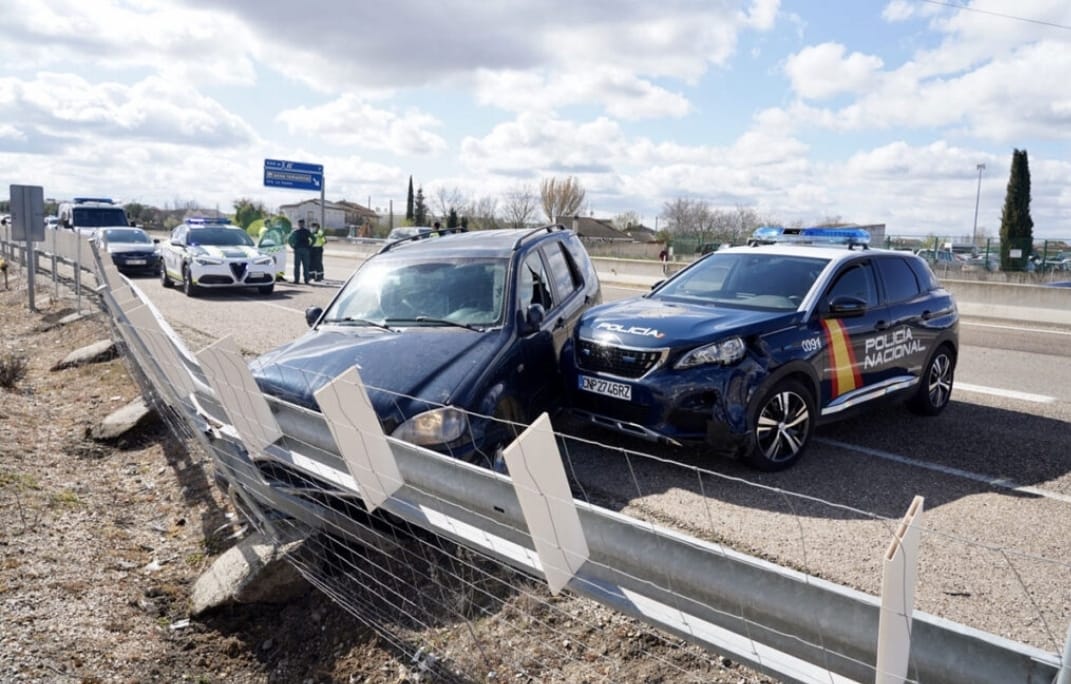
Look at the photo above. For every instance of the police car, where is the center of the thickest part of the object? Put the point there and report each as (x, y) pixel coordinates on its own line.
(749, 348)
(213, 253)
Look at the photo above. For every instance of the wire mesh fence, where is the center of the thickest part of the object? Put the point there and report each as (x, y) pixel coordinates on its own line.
(448, 577)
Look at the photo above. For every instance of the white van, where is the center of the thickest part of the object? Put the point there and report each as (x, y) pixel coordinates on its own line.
(87, 214)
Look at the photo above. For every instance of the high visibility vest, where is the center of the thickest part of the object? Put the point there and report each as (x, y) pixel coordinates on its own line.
(319, 239)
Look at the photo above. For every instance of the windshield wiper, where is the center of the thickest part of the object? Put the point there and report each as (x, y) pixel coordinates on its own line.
(437, 321)
(361, 321)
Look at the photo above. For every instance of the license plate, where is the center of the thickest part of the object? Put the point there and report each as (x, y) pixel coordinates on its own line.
(617, 390)
(135, 262)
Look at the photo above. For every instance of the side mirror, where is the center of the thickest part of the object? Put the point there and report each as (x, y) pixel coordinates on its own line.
(533, 319)
(312, 314)
(657, 284)
(846, 307)
(65, 223)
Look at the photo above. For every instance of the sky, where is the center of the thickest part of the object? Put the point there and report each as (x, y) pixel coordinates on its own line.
(873, 111)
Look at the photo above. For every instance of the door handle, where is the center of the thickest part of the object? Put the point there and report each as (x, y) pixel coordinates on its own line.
(881, 325)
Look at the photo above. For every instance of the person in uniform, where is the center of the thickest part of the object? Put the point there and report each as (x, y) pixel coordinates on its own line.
(319, 239)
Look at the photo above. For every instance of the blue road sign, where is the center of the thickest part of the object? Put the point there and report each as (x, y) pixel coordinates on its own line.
(295, 175)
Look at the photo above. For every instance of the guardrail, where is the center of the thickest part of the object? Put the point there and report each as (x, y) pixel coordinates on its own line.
(279, 461)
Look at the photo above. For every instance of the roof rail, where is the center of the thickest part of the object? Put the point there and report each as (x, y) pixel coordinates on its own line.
(549, 228)
(423, 235)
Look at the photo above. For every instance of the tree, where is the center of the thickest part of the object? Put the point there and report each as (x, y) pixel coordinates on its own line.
(452, 220)
(686, 217)
(561, 197)
(480, 214)
(409, 215)
(519, 207)
(420, 209)
(1016, 226)
(448, 200)
(246, 211)
(626, 220)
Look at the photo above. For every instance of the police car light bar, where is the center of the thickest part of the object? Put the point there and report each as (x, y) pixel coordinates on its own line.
(83, 200)
(771, 235)
(207, 221)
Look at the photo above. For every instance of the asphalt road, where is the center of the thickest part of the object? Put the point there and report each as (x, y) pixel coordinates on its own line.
(994, 468)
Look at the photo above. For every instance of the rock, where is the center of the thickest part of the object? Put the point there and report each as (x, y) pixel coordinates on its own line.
(105, 350)
(133, 415)
(252, 571)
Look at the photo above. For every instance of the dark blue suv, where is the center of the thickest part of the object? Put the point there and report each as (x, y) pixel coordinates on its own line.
(749, 348)
(456, 335)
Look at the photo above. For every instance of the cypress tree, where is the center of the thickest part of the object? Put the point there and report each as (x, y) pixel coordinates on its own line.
(420, 209)
(452, 220)
(1016, 226)
(409, 202)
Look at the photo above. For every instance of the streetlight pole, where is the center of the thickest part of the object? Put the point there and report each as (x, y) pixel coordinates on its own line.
(977, 198)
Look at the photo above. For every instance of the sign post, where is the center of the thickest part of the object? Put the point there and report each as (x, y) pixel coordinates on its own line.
(28, 223)
(279, 173)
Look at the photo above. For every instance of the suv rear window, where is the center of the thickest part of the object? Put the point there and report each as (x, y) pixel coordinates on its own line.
(899, 280)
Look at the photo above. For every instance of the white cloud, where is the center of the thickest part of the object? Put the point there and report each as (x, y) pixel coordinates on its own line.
(621, 93)
(352, 122)
(824, 70)
(57, 109)
(180, 44)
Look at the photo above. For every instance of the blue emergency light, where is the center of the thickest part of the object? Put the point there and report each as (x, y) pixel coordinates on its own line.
(103, 200)
(846, 236)
(207, 221)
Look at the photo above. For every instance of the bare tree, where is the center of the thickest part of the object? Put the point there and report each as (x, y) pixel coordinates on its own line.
(561, 197)
(482, 213)
(445, 200)
(626, 220)
(686, 217)
(519, 207)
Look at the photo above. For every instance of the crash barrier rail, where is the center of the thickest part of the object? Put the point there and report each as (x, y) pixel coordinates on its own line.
(333, 477)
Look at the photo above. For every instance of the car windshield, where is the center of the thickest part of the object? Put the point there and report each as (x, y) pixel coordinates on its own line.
(222, 237)
(442, 291)
(95, 217)
(126, 235)
(747, 279)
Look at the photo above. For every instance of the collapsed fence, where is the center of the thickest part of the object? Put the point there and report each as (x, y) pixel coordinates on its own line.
(447, 560)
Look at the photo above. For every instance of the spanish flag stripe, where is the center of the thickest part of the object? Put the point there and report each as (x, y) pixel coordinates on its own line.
(842, 364)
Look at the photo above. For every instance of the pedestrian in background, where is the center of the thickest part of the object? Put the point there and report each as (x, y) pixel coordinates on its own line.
(319, 239)
(300, 241)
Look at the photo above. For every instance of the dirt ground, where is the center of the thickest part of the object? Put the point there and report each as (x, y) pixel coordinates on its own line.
(100, 544)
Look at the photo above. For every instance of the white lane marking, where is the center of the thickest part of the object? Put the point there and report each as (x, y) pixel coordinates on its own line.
(1006, 393)
(995, 482)
(1017, 328)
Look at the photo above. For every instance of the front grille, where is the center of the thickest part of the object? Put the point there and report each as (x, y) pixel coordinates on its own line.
(619, 361)
(238, 269)
(215, 280)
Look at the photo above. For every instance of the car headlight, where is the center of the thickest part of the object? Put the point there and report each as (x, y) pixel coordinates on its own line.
(438, 426)
(208, 261)
(264, 260)
(723, 352)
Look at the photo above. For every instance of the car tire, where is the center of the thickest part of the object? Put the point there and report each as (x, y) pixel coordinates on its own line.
(781, 426)
(188, 285)
(266, 289)
(935, 386)
(164, 280)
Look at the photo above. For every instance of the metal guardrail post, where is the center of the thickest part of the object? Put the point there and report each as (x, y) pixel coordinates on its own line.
(1065, 662)
(898, 581)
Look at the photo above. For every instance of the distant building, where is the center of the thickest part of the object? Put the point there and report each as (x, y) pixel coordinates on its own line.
(338, 217)
(593, 229)
(642, 233)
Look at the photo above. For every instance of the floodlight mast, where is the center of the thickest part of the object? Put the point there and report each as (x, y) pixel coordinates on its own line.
(977, 199)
